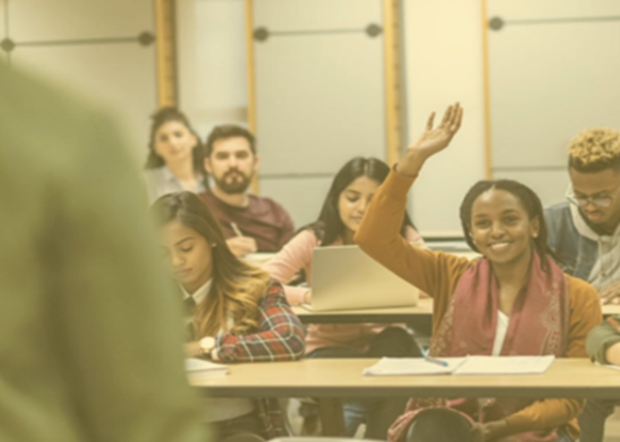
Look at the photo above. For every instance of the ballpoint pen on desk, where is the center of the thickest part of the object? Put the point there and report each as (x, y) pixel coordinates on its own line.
(435, 361)
(236, 229)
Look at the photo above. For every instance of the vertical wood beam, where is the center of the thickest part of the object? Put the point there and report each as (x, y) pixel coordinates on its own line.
(393, 74)
(166, 53)
(251, 77)
(488, 147)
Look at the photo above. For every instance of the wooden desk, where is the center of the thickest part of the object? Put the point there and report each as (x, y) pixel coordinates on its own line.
(611, 310)
(384, 315)
(328, 380)
(333, 378)
(424, 309)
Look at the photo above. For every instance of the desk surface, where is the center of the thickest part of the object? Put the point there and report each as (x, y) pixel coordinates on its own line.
(609, 310)
(387, 315)
(322, 378)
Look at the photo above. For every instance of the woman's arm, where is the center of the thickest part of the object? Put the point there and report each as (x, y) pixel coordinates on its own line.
(281, 335)
(292, 259)
(379, 234)
(603, 343)
(414, 238)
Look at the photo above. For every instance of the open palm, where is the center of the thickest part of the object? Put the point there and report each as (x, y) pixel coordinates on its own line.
(433, 140)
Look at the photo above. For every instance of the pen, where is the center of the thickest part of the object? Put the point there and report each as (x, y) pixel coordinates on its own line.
(435, 361)
(613, 323)
(236, 229)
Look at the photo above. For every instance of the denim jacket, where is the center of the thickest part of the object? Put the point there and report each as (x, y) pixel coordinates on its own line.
(577, 253)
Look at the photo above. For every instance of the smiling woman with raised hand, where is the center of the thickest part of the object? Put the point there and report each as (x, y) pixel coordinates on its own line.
(515, 300)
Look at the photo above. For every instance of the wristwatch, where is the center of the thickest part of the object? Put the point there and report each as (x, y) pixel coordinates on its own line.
(207, 344)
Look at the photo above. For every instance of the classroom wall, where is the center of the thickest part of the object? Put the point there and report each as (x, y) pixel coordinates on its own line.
(552, 71)
(93, 47)
(211, 91)
(443, 50)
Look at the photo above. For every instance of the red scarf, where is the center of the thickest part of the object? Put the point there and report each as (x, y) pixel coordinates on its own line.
(539, 324)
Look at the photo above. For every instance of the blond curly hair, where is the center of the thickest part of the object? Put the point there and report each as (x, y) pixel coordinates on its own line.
(593, 150)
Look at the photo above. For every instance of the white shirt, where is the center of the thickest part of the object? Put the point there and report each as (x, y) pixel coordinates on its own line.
(161, 181)
(198, 296)
(500, 332)
(217, 409)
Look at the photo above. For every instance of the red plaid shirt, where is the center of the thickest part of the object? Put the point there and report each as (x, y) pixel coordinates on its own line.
(280, 335)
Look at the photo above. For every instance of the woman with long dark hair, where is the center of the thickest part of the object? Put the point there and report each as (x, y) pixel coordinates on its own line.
(350, 194)
(175, 159)
(515, 300)
(234, 311)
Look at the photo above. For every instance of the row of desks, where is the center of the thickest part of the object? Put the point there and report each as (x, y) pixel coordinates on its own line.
(332, 378)
(423, 310)
(328, 380)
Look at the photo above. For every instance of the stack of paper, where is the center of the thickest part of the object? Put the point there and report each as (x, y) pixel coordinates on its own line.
(200, 367)
(411, 366)
(470, 365)
(513, 365)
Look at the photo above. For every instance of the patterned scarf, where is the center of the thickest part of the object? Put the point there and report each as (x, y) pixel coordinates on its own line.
(539, 324)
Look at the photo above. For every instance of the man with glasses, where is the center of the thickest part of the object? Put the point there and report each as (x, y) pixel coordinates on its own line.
(584, 232)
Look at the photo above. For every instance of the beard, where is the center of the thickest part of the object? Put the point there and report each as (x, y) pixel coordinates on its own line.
(239, 185)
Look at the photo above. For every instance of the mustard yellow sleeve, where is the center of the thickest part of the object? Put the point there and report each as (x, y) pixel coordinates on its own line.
(379, 236)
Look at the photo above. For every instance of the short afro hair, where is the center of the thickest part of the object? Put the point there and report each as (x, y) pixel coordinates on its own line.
(594, 150)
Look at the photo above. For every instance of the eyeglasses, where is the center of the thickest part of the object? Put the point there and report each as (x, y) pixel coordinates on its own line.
(581, 201)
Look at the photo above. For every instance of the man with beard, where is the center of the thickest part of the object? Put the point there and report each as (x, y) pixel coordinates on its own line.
(251, 223)
(584, 232)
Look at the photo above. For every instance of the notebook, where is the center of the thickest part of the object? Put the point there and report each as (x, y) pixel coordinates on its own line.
(411, 367)
(470, 365)
(201, 368)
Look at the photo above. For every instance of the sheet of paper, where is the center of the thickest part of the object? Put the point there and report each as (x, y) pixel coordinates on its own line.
(411, 367)
(194, 364)
(511, 365)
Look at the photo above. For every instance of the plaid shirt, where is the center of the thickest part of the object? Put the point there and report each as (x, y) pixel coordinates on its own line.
(280, 335)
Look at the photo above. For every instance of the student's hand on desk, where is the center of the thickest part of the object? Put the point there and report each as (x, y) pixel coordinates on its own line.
(193, 349)
(242, 245)
(488, 432)
(308, 297)
(431, 141)
(611, 294)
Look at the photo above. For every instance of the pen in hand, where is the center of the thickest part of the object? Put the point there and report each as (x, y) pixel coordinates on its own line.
(236, 229)
(435, 361)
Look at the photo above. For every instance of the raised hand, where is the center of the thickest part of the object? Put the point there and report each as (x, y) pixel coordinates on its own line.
(432, 140)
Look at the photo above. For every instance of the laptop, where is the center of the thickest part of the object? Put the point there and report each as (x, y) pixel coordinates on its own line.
(345, 278)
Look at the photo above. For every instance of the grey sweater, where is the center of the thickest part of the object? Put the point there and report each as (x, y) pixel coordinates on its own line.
(600, 339)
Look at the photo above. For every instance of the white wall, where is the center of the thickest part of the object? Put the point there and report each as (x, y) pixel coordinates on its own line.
(212, 62)
(121, 75)
(443, 48)
(440, 69)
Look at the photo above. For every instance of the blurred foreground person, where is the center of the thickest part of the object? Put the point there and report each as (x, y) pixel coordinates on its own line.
(90, 347)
